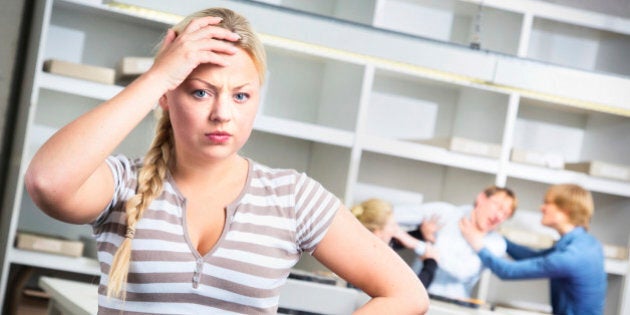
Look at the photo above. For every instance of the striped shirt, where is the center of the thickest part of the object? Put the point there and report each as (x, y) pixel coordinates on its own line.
(279, 214)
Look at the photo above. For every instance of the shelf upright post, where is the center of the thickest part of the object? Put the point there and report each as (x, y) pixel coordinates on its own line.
(357, 147)
(508, 139)
(12, 194)
(624, 302)
(526, 33)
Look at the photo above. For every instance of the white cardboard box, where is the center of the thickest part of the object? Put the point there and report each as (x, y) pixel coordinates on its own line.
(615, 252)
(527, 237)
(49, 244)
(601, 169)
(131, 67)
(545, 159)
(80, 71)
(468, 146)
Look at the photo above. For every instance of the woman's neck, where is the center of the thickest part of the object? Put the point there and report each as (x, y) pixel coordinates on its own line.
(565, 228)
(211, 172)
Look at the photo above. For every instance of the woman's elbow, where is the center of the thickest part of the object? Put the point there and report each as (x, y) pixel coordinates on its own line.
(423, 302)
(409, 300)
(420, 306)
(417, 302)
(44, 192)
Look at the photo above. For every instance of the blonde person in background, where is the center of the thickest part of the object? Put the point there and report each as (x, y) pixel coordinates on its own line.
(195, 228)
(378, 217)
(574, 265)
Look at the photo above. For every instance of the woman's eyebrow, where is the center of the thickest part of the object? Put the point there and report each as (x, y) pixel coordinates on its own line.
(202, 81)
(212, 86)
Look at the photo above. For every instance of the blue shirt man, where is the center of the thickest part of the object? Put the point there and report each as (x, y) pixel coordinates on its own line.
(575, 266)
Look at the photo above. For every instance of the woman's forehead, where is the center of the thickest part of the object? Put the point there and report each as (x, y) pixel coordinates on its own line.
(239, 65)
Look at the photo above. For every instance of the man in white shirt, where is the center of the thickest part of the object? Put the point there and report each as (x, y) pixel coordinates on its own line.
(459, 266)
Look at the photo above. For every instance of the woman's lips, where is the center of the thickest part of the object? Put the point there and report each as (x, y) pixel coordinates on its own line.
(218, 137)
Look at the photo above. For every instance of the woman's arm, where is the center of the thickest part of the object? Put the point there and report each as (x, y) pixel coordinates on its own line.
(516, 251)
(355, 254)
(555, 264)
(68, 177)
(519, 252)
(530, 264)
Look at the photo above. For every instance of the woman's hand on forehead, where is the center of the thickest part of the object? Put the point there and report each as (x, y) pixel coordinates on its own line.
(202, 41)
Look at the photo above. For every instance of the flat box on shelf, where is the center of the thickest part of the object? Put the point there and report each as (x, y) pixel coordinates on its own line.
(527, 238)
(601, 169)
(615, 252)
(80, 71)
(49, 244)
(463, 145)
(545, 159)
(131, 67)
(318, 277)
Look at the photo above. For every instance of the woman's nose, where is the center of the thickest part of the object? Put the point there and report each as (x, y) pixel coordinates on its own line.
(220, 109)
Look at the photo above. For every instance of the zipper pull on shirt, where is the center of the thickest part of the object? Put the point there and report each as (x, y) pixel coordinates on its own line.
(197, 274)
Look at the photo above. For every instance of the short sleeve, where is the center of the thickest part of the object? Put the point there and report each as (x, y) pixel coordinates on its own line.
(315, 208)
(123, 172)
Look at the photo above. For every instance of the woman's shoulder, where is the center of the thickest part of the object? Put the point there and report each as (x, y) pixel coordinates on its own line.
(124, 162)
(590, 240)
(282, 181)
(270, 175)
(581, 243)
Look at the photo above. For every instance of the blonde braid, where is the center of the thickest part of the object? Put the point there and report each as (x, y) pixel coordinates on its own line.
(150, 183)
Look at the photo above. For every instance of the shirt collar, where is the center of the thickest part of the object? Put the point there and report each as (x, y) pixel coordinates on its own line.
(567, 238)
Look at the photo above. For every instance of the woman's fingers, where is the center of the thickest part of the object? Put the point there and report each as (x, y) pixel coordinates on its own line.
(207, 39)
(205, 27)
(201, 22)
(214, 32)
(202, 41)
(217, 46)
(206, 51)
(212, 57)
(472, 236)
(168, 39)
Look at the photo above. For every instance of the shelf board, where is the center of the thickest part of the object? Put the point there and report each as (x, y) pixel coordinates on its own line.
(78, 87)
(561, 13)
(90, 266)
(554, 176)
(273, 125)
(302, 130)
(616, 267)
(82, 265)
(561, 85)
(428, 153)
(430, 59)
(121, 12)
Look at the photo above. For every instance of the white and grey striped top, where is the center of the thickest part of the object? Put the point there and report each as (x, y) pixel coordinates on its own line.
(279, 214)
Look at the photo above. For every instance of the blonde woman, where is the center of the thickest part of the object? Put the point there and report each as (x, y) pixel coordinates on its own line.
(195, 228)
(574, 265)
(377, 216)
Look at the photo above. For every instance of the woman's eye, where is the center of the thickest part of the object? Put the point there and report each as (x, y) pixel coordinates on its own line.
(200, 93)
(241, 97)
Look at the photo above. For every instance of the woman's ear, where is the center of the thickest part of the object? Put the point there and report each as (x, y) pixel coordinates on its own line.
(164, 102)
